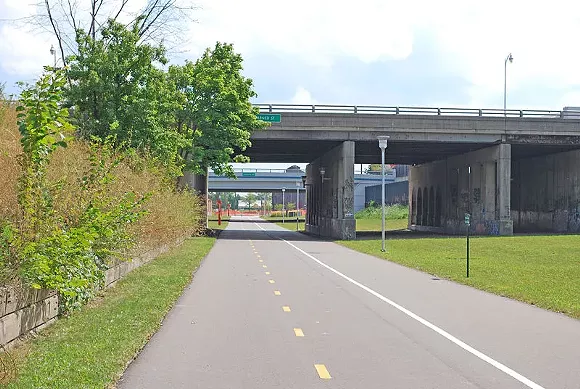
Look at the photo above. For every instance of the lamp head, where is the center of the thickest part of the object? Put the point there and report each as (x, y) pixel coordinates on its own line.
(283, 189)
(510, 58)
(322, 171)
(304, 180)
(383, 141)
(52, 50)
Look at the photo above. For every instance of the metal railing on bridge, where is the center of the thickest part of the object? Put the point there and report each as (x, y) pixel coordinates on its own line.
(375, 109)
(264, 170)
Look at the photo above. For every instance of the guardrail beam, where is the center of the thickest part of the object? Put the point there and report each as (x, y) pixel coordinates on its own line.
(440, 111)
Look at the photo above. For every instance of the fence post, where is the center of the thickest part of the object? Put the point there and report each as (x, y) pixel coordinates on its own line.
(313, 108)
(355, 109)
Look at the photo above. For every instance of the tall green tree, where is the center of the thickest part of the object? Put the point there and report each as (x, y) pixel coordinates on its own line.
(250, 200)
(118, 91)
(216, 114)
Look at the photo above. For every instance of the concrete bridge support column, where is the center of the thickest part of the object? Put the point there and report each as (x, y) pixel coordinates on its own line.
(442, 192)
(504, 174)
(331, 197)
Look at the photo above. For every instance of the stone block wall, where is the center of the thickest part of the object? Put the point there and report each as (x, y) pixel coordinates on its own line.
(23, 310)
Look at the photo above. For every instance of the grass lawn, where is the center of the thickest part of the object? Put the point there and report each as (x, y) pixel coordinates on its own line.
(91, 348)
(540, 270)
(279, 219)
(214, 218)
(291, 225)
(361, 224)
(213, 224)
(375, 224)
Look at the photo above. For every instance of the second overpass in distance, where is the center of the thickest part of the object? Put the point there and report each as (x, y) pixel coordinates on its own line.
(274, 180)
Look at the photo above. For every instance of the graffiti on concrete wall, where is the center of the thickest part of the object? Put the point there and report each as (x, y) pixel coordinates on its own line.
(348, 197)
(476, 195)
(487, 227)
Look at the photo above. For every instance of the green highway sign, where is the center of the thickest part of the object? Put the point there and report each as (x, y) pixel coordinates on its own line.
(248, 174)
(270, 117)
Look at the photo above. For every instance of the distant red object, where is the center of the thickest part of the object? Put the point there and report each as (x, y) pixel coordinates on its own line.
(219, 204)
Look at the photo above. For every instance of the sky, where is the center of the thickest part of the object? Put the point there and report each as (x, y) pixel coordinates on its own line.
(446, 53)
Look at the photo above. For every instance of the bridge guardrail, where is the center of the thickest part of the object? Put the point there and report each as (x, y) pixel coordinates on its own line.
(374, 109)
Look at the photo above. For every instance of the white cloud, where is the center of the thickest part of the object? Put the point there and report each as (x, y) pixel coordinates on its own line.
(317, 31)
(472, 39)
(477, 37)
(25, 50)
(302, 96)
(23, 53)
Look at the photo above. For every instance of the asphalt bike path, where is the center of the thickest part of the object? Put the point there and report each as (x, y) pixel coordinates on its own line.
(272, 308)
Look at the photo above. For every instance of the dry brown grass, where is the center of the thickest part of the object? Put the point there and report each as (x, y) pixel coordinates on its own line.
(170, 215)
(9, 167)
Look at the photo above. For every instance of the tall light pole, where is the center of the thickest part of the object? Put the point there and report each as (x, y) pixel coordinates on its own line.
(383, 146)
(283, 206)
(297, 202)
(511, 59)
(53, 52)
(321, 202)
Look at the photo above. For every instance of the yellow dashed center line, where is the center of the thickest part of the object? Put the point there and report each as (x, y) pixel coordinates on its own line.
(277, 293)
(264, 266)
(322, 372)
(298, 332)
(267, 273)
(272, 281)
(286, 308)
(258, 255)
(260, 260)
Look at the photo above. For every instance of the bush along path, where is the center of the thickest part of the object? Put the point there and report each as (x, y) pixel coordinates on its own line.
(92, 347)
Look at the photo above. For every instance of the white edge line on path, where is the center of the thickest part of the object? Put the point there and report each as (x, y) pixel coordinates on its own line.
(498, 365)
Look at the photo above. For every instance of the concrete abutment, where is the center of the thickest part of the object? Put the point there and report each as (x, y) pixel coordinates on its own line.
(330, 197)
(478, 182)
(546, 193)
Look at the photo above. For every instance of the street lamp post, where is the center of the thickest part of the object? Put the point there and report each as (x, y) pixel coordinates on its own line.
(511, 59)
(283, 206)
(321, 202)
(307, 203)
(297, 203)
(53, 52)
(383, 146)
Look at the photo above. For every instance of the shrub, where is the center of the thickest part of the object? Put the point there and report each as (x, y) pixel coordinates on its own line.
(77, 210)
(392, 212)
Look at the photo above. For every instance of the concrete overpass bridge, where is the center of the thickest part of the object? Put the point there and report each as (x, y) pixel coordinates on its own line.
(512, 170)
(273, 180)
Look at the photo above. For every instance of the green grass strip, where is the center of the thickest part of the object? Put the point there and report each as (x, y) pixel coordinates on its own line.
(366, 225)
(540, 270)
(376, 225)
(213, 224)
(90, 349)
